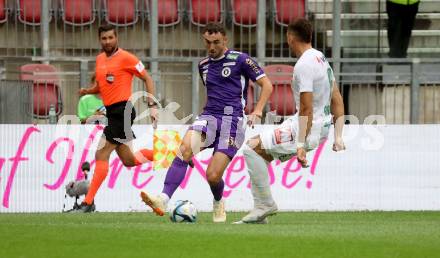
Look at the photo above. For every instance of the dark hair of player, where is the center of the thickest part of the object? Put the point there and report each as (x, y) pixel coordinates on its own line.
(214, 27)
(302, 28)
(105, 28)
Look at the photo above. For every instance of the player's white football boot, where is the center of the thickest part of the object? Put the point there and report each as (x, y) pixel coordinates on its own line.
(264, 221)
(260, 213)
(156, 203)
(219, 213)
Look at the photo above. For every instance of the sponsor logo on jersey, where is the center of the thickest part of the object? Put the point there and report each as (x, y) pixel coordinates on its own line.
(232, 56)
(253, 65)
(229, 64)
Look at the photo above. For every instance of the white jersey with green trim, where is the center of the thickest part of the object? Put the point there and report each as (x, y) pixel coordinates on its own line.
(314, 74)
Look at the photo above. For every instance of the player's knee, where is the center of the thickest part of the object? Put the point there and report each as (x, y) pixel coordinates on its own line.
(102, 155)
(186, 152)
(212, 178)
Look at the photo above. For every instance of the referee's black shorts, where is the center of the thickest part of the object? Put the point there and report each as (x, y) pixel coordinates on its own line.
(118, 130)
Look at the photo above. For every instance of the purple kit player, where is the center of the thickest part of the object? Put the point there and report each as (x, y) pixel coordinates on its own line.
(221, 126)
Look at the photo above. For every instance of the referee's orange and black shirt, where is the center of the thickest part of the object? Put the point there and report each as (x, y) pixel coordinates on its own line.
(114, 75)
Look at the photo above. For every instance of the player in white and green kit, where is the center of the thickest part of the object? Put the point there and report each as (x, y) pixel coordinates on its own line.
(319, 103)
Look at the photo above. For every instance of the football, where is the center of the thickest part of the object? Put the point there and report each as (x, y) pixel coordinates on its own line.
(183, 211)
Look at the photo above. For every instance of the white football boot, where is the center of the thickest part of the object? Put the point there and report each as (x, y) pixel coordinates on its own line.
(259, 213)
(157, 203)
(218, 213)
(264, 221)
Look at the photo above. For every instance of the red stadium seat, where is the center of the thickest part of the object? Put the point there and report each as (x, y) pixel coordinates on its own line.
(167, 12)
(78, 12)
(205, 11)
(45, 95)
(3, 11)
(288, 10)
(29, 12)
(279, 73)
(244, 12)
(250, 101)
(46, 91)
(39, 73)
(121, 13)
(281, 99)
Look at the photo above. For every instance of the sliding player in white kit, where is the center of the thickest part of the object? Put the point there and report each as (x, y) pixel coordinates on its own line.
(317, 98)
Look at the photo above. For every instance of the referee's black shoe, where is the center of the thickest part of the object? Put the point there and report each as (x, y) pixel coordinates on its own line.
(85, 208)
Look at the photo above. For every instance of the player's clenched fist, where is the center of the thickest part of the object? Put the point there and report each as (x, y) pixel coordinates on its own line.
(83, 92)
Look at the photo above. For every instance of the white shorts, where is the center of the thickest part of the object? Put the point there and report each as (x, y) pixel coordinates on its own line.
(280, 142)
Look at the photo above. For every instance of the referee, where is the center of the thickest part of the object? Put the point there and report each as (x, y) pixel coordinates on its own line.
(114, 73)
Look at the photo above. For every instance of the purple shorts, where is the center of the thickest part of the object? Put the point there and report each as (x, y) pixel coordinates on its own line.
(223, 133)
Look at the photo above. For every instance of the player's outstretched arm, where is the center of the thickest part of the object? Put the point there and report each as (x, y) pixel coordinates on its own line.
(337, 110)
(266, 90)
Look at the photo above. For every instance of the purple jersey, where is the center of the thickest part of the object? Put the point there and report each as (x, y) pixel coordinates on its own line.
(226, 80)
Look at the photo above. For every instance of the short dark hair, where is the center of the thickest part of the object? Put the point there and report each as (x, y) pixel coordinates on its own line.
(302, 28)
(214, 27)
(105, 28)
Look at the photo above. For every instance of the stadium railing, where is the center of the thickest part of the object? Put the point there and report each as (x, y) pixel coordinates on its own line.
(403, 91)
(72, 26)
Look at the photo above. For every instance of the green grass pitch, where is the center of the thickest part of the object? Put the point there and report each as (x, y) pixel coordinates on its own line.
(289, 234)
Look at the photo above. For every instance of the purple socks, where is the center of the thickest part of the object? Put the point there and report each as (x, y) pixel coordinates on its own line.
(217, 190)
(175, 176)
